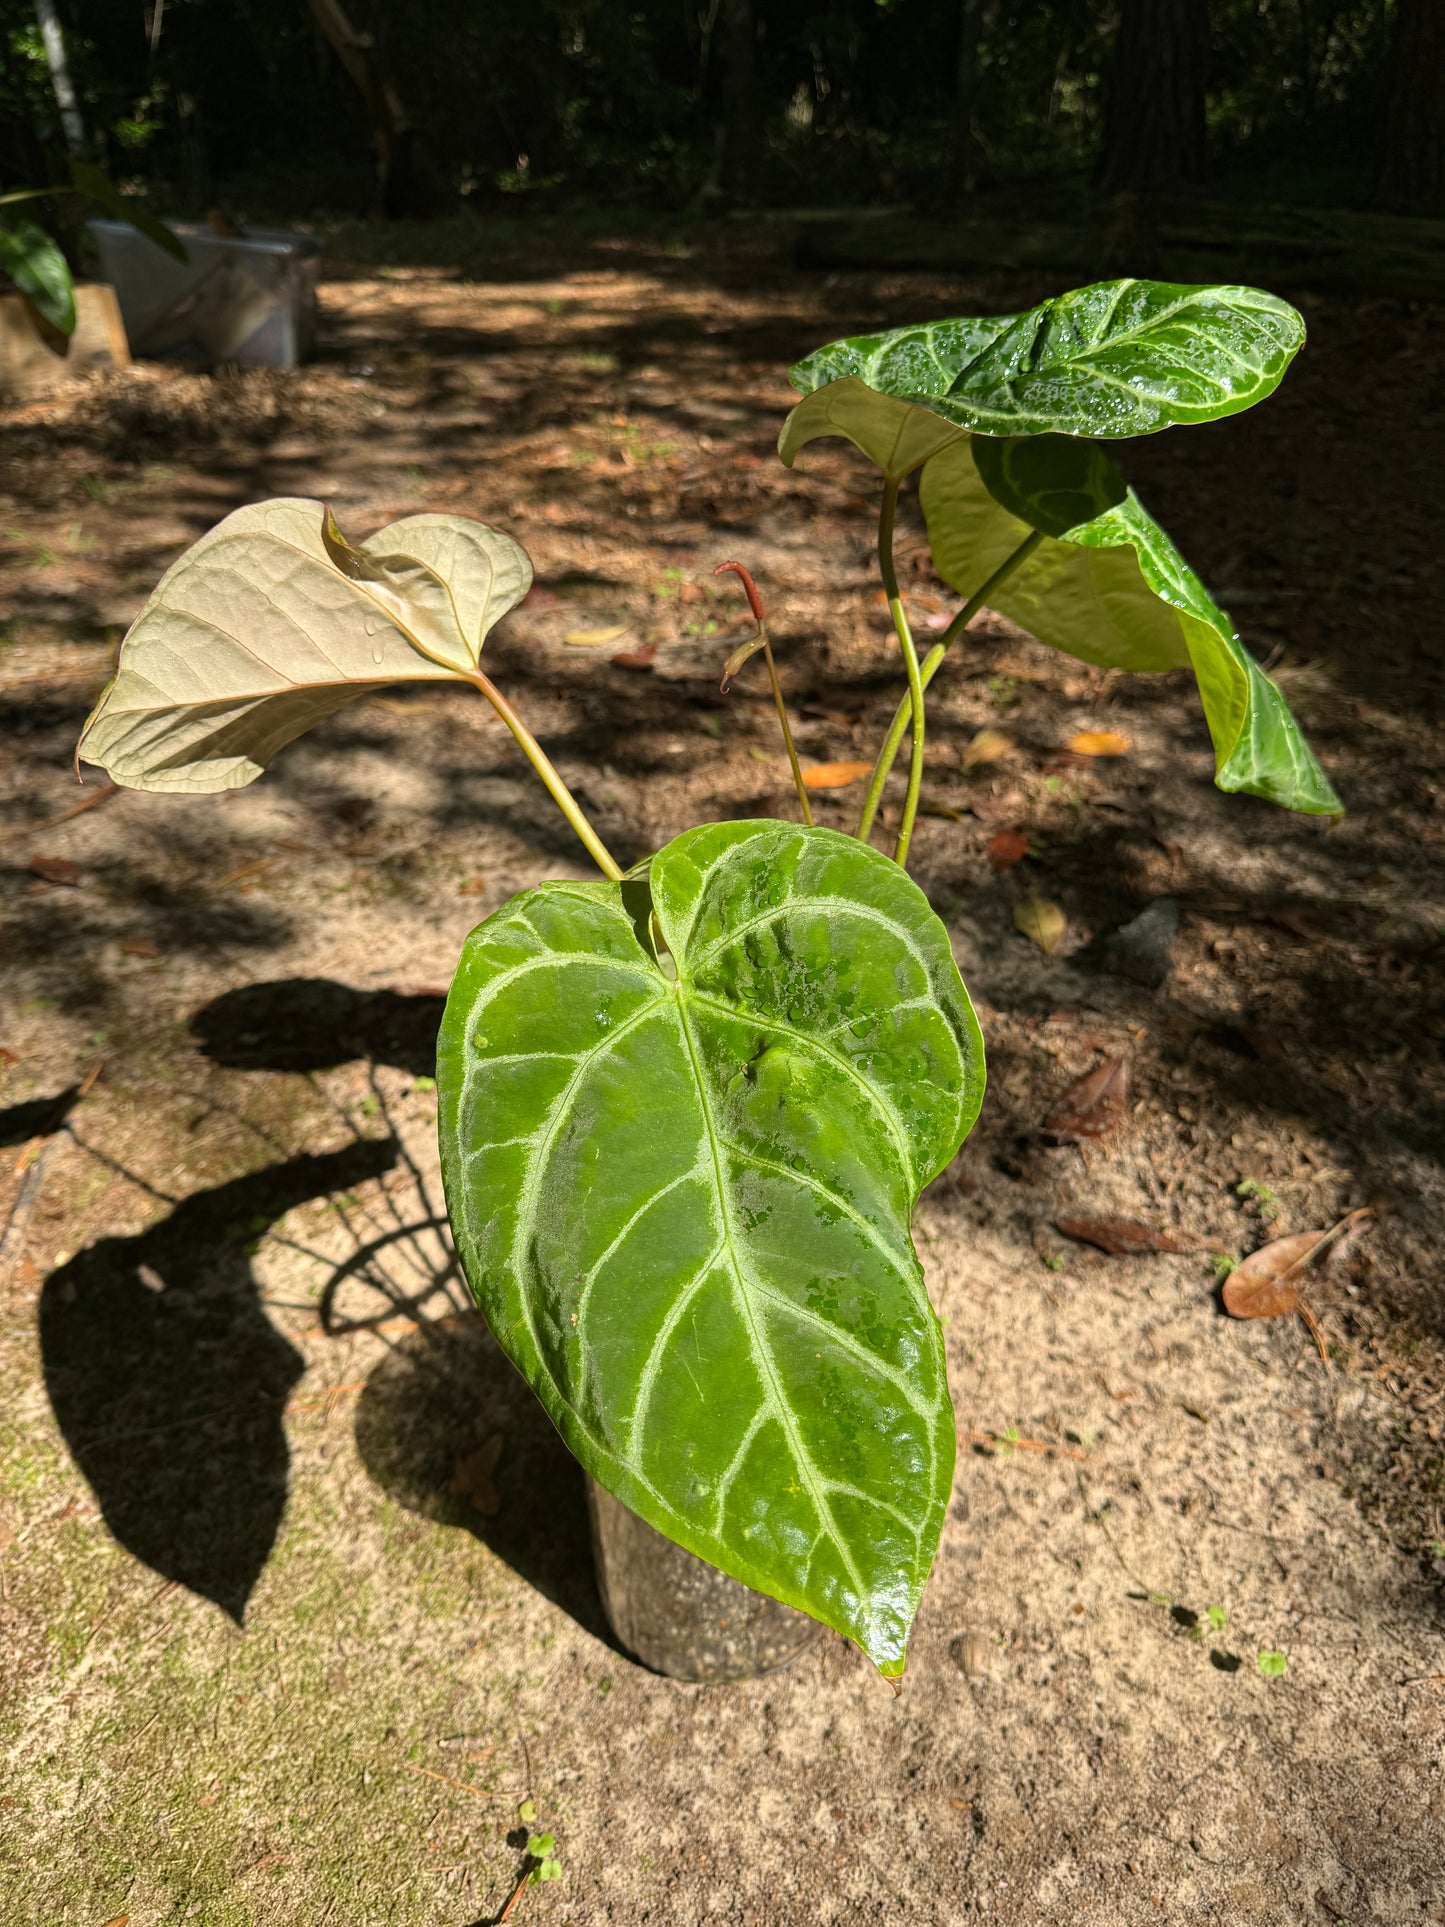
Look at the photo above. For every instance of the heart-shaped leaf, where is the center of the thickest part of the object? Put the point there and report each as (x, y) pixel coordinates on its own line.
(1111, 590)
(1115, 359)
(273, 620)
(681, 1183)
(39, 270)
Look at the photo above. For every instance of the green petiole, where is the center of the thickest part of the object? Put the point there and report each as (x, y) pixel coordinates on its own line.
(557, 789)
(927, 671)
(910, 660)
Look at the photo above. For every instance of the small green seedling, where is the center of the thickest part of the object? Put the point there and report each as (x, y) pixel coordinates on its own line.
(1218, 1618)
(1260, 1195)
(1272, 1663)
(542, 1848)
(686, 1109)
(1224, 1262)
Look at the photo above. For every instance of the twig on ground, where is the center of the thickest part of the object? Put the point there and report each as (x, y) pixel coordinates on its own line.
(1002, 1441)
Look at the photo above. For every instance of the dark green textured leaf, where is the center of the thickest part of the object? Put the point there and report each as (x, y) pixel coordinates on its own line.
(682, 1193)
(1112, 590)
(1051, 482)
(1116, 359)
(96, 185)
(39, 270)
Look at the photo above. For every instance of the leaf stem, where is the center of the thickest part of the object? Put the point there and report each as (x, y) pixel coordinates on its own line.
(762, 640)
(910, 659)
(927, 671)
(542, 763)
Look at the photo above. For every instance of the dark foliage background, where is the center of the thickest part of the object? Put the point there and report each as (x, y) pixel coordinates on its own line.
(778, 102)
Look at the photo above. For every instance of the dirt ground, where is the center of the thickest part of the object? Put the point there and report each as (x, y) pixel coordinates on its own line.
(279, 1641)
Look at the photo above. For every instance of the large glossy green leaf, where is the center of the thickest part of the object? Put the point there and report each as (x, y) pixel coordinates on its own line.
(681, 1191)
(1107, 585)
(39, 270)
(1116, 359)
(273, 620)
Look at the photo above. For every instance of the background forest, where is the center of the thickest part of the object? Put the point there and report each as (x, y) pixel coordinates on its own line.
(302, 107)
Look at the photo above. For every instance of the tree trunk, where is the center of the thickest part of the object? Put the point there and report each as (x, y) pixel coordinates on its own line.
(965, 111)
(1411, 175)
(1154, 128)
(737, 166)
(398, 190)
(53, 37)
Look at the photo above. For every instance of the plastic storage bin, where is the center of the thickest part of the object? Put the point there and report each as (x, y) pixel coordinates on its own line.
(250, 300)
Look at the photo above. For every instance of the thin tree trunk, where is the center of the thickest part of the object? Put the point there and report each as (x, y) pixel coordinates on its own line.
(393, 138)
(53, 35)
(965, 112)
(1154, 139)
(1412, 162)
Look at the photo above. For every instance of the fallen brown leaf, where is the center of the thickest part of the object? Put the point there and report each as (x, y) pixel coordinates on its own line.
(971, 1656)
(472, 1479)
(56, 869)
(641, 658)
(471, 886)
(1042, 922)
(1093, 1105)
(834, 776)
(987, 747)
(1099, 742)
(1121, 1237)
(8, 1056)
(1006, 848)
(138, 947)
(1267, 1283)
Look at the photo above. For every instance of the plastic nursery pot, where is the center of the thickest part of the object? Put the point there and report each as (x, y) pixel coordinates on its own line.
(681, 1616)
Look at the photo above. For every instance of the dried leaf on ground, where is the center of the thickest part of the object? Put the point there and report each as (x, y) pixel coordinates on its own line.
(472, 1480)
(56, 869)
(1099, 742)
(641, 658)
(1121, 1237)
(835, 776)
(987, 747)
(1267, 1283)
(1093, 1105)
(1041, 921)
(1006, 848)
(595, 638)
(138, 947)
(971, 1654)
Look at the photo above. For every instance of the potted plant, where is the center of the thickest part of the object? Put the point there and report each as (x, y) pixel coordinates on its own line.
(686, 1110)
(49, 327)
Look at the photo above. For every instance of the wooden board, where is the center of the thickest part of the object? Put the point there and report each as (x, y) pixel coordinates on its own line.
(34, 358)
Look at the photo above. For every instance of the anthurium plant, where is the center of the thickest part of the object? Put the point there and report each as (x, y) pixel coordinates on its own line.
(32, 257)
(686, 1111)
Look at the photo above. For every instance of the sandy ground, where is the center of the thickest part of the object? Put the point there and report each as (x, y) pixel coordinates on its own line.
(272, 1649)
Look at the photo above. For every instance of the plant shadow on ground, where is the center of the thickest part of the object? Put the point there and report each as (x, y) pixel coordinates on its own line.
(314, 1023)
(445, 1425)
(169, 1382)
